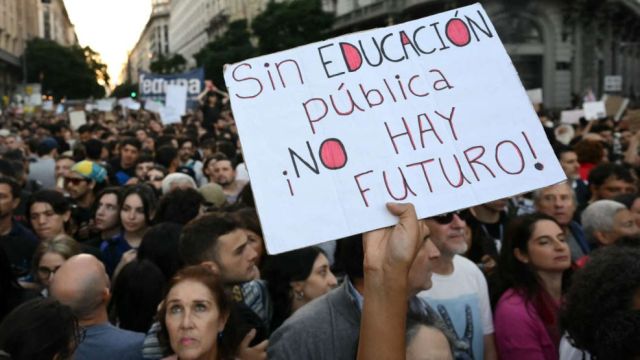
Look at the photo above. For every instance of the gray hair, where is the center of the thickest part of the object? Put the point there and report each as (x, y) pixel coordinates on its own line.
(537, 194)
(599, 217)
(177, 178)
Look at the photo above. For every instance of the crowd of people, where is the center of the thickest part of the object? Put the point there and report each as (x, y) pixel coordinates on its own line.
(130, 239)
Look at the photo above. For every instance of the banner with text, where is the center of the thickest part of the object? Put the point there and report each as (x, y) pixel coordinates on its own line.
(430, 112)
(153, 86)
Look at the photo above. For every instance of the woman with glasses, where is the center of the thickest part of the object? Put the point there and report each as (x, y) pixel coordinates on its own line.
(533, 269)
(49, 256)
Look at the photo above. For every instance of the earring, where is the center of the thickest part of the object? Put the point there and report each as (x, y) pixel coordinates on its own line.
(220, 336)
(299, 295)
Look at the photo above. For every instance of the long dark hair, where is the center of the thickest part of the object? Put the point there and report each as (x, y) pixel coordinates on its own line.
(147, 196)
(137, 291)
(40, 329)
(516, 275)
(279, 271)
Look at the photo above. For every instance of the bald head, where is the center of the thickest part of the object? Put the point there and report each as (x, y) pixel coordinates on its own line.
(82, 284)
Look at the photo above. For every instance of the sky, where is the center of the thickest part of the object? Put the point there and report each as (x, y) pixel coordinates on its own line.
(110, 27)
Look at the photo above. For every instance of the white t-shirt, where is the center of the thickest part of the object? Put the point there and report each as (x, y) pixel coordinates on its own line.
(568, 352)
(462, 301)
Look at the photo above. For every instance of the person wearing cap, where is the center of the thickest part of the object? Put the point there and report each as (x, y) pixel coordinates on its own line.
(83, 182)
(43, 169)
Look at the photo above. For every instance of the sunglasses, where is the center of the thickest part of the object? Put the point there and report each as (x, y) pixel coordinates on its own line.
(74, 181)
(445, 219)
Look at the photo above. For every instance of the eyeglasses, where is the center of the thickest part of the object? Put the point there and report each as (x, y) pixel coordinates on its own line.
(155, 178)
(74, 181)
(445, 219)
(46, 272)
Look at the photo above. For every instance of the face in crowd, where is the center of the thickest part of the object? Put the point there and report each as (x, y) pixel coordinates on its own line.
(557, 201)
(236, 259)
(193, 319)
(107, 214)
(547, 249)
(319, 281)
(128, 156)
(155, 177)
(142, 168)
(448, 233)
(613, 187)
(223, 173)
(46, 222)
(132, 214)
(570, 164)
(77, 186)
(63, 167)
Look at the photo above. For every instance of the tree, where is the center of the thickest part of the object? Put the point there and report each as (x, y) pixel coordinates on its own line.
(124, 90)
(288, 24)
(73, 72)
(168, 65)
(233, 46)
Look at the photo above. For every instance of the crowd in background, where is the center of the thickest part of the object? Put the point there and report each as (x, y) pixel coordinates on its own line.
(130, 239)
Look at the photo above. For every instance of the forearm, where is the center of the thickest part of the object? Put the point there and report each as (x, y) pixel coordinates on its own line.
(384, 314)
(631, 155)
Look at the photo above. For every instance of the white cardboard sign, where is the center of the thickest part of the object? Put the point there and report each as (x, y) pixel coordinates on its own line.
(535, 95)
(571, 116)
(154, 106)
(430, 112)
(594, 110)
(105, 105)
(77, 119)
(176, 98)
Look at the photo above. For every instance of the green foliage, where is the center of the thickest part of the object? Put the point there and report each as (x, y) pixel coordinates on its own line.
(288, 24)
(168, 65)
(124, 90)
(233, 46)
(72, 72)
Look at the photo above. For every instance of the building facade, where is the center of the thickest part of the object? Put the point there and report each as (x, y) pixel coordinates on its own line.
(564, 47)
(21, 21)
(54, 23)
(153, 42)
(189, 20)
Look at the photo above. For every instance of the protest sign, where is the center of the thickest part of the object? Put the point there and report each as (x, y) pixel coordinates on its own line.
(615, 105)
(571, 116)
(105, 105)
(613, 83)
(594, 110)
(176, 98)
(169, 115)
(535, 96)
(47, 105)
(77, 119)
(154, 106)
(153, 86)
(430, 112)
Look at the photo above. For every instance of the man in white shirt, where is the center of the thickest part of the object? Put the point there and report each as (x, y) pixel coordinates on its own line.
(459, 293)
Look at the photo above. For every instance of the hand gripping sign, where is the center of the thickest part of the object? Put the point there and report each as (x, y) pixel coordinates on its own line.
(430, 112)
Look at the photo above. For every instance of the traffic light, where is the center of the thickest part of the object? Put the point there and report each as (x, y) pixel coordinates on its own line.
(134, 94)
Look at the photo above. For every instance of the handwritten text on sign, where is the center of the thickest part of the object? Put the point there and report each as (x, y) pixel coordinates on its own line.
(431, 112)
